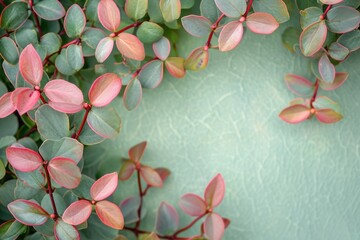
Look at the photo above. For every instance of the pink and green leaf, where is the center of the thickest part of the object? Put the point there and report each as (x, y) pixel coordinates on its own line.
(110, 214)
(104, 89)
(30, 65)
(230, 36)
(295, 114)
(231, 8)
(326, 69)
(77, 213)
(214, 226)
(163, 173)
(6, 106)
(129, 208)
(74, 21)
(299, 85)
(64, 172)
(313, 38)
(109, 15)
(162, 48)
(104, 49)
(104, 121)
(136, 152)
(150, 176)
(133, 94)
(175, 66)
(167, 220)
(197, 26)
(65, 231)
(328, 116)
(28, 212)
(261, 23)
(23, 159)
(151, 74)
(340, 78)
(104, 186)
(192, 204)
(170, 9)
(331, 2)
(215, 191)
(343, 19)
(197, 60)
(130, 46)
(127, 170)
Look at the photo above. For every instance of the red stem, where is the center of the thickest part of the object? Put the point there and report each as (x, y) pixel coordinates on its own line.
(43, 99)
(249, 5)
(2, 3)
(313, 98)
(214, 26)
(76, 135)
(75, 41)
(135, 24)
(323, 16)
(190, 225)
(50, 191)
(141, 194)
(35, 17)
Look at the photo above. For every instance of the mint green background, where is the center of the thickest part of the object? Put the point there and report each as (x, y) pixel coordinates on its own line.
(283, 181)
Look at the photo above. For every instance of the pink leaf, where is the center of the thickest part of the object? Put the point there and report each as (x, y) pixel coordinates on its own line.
(104, 49)
(261, 23)
(313, 38)
(175, 66)
(214, 226)
(104, 186)
(162, 48)
(104, 89)
(23, 159)
(295, 113)
(331, 2)
(77, 213)
(215, 191)
(64, 96)
(24, 99)
(30, 65)
(28, 212)
(130, 46)
(150, 176)
(340, 78)
(64, 172)
(137, 151)
(298, 85)
(127, 170)
(109, 15)
(328, 116)
(192, 205)
(230, 36)
(110, 214)
(326, 69)
(163, 173)
(6, 106)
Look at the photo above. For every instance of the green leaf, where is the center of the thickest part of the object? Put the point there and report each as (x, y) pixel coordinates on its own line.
(46, 229)
(326, 69)
(136, 9)
(277, 8)
(83, 190)
(209, 10)
(59, 202)
(26, 36)
(343, 19)
(303, 4)
(323, 102)
(11, 230)
(309, 16)
(151, 74)
(197, 26)
(24, 191)
(34, 179)
(14, 16)
(65, 147)
(338, 51)
(51, 124)
(133, 94)
(87, 136)
(49, 10)
(70, 60)
(90, 39)
(64, 231)
(187, 4)
(350, 40)
(351, 3)
(104, 121)
(290, 38)
(8, 125)
(313, 38)
(170, 9)
(74, 22)
(231, 8)
(91, 10)
(7, 192)
(149, 32)
(51, 42)
(9, 50)
(155, 12)
(2, 170)
(28, 212)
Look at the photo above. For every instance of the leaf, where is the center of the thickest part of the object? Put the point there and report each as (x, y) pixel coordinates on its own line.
(154, 12)
(338, 51)
(30, 65)
(9, 50)
(6, 106)
(74, 21)
(277, 8)
(64, 231)
(104, 186)
(33, 179)
(162, 48)
(46, 202)
(163, 173)
(132, 95)
(309, 16)
(105, 122)
(323, 102)
(136, 152)
(136, 9)
(350, 40)
(230, 36)
(90, 40)
(150, 176)
(11, 229)
(192, 205)
(70, 60)
(342, 19)
(214, 226)
(340, 78)
(14, 16)
(231, 8)
(326, 69)
(104, 49)
(104, 89)
(167, 220)
(2, 170)
(151, 74)
(65, 147)
(49, 10)
(209, 10)
(170, 9)
(51, 124)
(64, 96)
(331, 2)
(197, 60)
(261, 23)
(175, 66)
(110, 214)
(197, 26)
(64, 172)
(130, 46)
(328, 116)
(51, 42)
(299, 85)
(24, 99)
(23, 159)
(28, 212)
(215, 191)
(78, 212)
(148, 236)
(109, 15)
(83, 190)
(129, 208)
(313, 38)
(149, 32)
(127, 170)
(295, 113)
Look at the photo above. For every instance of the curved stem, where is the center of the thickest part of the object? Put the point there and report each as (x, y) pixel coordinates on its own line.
(249, 5)
(135, 24)
(76, 135)
(189, 225)
(214, 27)
(323, 16)
(2, 3)
(50, 191)
(313, 98)
(37, 22)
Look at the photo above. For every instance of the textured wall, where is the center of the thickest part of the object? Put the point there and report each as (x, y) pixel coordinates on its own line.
(283, 181)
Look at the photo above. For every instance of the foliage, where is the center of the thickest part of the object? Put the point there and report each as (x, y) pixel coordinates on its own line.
(53, 52)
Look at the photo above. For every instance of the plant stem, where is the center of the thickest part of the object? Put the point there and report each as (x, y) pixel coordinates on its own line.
(30, 131)
(42, 99)
(135, 24)
(214, 26)
(50, 190)
(189, 225)
(2, 3)
(141, 194)
(75, 41)
(313, 98)
(249, 5)
(323, 16)
(76, 135)
(35, 17)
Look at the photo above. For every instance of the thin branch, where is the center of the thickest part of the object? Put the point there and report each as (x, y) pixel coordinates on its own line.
(50, 190)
